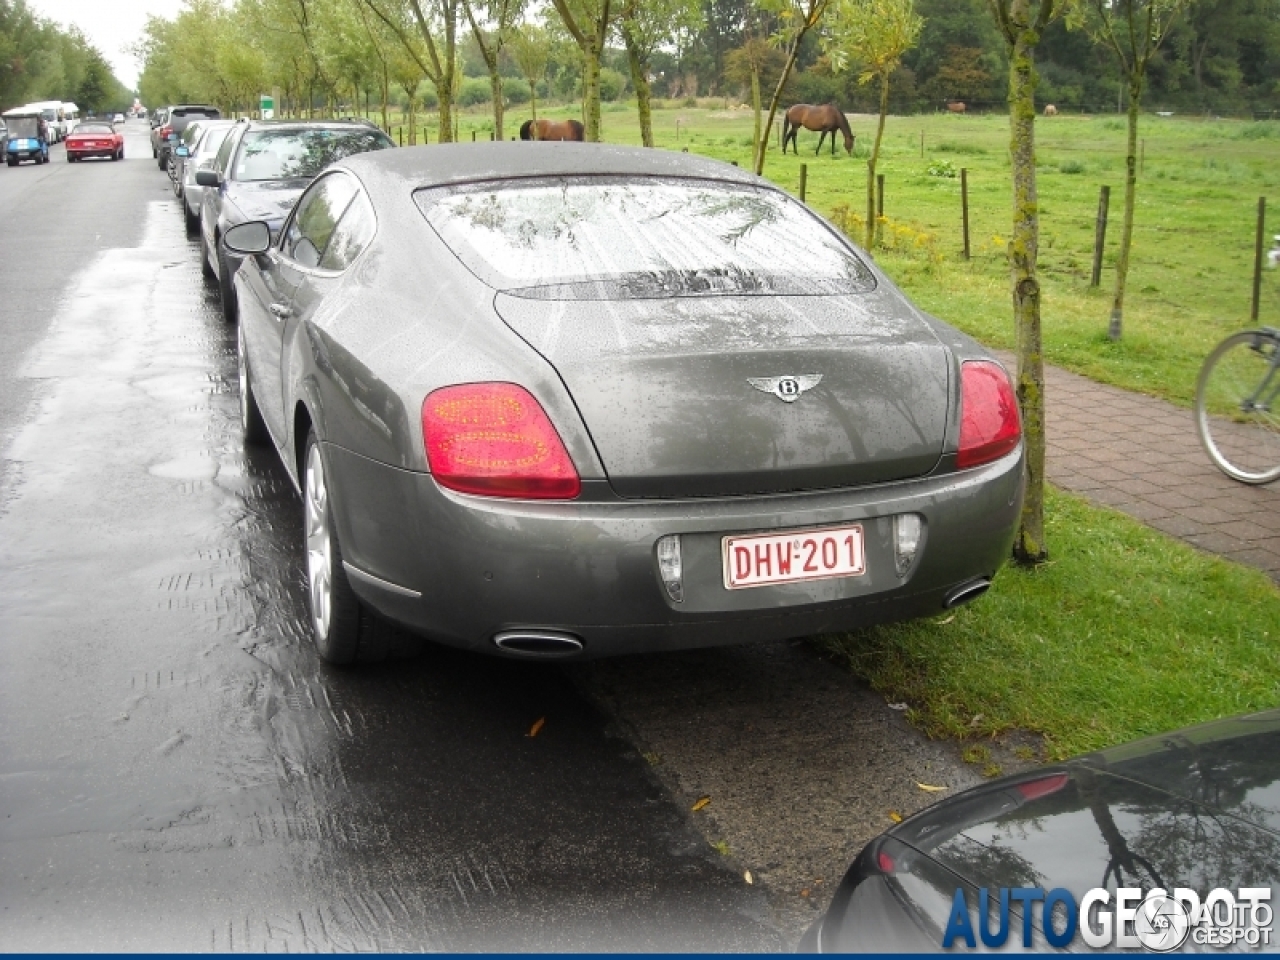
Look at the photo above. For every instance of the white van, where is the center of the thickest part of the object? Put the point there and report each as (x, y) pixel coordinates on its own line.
(51, 110)
(71, 116)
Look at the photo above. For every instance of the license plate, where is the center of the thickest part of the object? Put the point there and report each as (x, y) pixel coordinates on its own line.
(794, 556)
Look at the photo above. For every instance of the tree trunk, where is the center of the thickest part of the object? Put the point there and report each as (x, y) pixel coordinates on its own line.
(495, 85)
(1029, 547)
(533, 99)
(444, 96)
(763, 143)
(1115, 329)
(640, 79)
(755, 107)
(872, 225)
(591, 89)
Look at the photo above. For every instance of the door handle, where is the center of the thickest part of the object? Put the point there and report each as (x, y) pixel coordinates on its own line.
(281, 310)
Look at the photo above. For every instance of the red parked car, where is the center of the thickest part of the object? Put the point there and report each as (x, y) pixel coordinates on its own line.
(95, 138)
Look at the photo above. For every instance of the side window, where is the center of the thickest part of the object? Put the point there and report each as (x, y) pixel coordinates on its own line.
(223, 159)
(352, 235)
(313, 221)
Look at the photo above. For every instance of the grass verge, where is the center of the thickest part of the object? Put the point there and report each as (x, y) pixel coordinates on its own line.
(1125, 633)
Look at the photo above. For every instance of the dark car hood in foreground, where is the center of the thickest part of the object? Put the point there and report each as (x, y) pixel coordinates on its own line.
(1199, 808)
(664, 387)
(269, 200)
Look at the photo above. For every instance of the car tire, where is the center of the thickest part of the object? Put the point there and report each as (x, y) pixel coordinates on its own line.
(252, 426)
(70, 158)
(343, 629)
(154, 153)
(226, 289)
(190, 220)
(206, 267)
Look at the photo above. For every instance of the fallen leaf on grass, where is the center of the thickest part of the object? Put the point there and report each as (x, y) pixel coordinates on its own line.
(930, 788)
(701, 802)
(537, 725)
(946, 621)
(895, 816)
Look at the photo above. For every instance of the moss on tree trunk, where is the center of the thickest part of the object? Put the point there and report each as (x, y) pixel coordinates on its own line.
(1029, 547)
(640, 80)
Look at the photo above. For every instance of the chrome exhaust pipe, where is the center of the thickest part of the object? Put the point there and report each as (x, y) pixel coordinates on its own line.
(542, 644)
(966, 592)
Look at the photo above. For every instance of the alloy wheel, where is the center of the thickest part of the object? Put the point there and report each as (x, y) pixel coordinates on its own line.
(319, 543)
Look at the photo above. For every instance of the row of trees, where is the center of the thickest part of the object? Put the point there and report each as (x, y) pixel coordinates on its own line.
(40, 60)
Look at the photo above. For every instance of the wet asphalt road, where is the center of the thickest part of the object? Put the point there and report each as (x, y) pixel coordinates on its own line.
(177, 769)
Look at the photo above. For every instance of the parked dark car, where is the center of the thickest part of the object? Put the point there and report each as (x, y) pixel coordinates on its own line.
(258, 173)
(553, 399)
(172, 123)
(1196, 809)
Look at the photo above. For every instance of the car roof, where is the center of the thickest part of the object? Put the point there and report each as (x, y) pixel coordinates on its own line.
(444, 164)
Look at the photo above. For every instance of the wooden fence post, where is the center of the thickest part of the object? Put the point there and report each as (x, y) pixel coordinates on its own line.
(964, 207)
(804, 178)
(1100, 235)
(1257, 259)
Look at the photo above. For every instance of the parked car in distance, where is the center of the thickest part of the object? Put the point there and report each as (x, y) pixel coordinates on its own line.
(117, 118)
(180, 152)
(200, 156)
(26, 137)
(551, 400)
(175, 121)
(95, 138)
(1195, 809)
(258, 173)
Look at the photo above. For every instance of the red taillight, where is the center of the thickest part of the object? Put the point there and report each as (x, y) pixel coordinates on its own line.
(989, 425)
(1035, 789)
(496, 440)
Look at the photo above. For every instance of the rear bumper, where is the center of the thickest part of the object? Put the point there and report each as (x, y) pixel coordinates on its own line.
(462, 569)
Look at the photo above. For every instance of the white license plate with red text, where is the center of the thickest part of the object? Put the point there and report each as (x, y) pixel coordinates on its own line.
(792, 557)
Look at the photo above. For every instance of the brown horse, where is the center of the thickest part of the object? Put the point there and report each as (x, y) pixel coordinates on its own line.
(955, 106)
(827, 118)
(552, 130)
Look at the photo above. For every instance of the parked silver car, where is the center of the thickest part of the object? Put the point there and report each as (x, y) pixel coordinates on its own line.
(550, 399)
(197, 152)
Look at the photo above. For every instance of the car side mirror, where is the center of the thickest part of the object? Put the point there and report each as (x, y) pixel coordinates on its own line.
(248, 239)
(207, 178)
(181, 151)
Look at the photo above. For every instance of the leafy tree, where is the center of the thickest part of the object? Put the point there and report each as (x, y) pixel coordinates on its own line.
(795, 18)
(1134, 31)
(646, 26)
(588, 23)
(873, 34)
(437, 35)
(750, 64)
(501, 17)
(531, 48)
(1022, 22)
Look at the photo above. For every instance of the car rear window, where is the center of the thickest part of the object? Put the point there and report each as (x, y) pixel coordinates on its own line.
(602, 238)
(95, 128)
(286, 154)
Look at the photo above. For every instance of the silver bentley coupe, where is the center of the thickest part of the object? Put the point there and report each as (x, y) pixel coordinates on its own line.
(576, 400)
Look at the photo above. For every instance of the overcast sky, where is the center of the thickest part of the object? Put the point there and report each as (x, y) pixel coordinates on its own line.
(110, 25)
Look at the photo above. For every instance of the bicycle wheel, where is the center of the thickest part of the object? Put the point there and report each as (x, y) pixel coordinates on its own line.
(1238, 406)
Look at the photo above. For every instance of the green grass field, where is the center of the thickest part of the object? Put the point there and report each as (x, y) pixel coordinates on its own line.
(1191, 274)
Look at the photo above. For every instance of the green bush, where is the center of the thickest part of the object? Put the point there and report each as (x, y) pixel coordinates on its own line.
(612, 84)
(950, 146)
(941, 168)
(1072, 166)
(474, 90)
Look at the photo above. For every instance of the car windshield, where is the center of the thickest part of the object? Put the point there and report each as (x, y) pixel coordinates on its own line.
(21, 128)
(94, 128)
(286, 154)
(599, 238)
(49, 114)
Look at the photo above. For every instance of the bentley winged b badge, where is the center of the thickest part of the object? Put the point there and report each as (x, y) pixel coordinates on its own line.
(787, 389)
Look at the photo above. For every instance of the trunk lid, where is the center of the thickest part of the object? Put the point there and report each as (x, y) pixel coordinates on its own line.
(681, 395)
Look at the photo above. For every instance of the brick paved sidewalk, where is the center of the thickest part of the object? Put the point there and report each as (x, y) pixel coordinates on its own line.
(1142, 456)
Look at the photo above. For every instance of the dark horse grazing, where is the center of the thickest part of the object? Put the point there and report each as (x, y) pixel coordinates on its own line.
(827, 118)
(551, 130)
